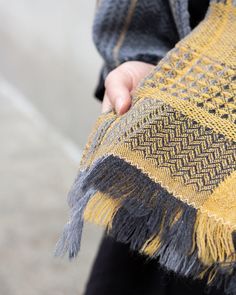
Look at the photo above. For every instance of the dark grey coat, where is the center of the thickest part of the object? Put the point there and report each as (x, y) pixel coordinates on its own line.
(143, 30)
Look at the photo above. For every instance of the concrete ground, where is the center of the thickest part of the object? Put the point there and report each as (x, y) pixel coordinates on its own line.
(47, 109)
(46, 52)
(37, 169)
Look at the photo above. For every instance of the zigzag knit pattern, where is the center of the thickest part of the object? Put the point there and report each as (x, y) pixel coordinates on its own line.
(162, 177)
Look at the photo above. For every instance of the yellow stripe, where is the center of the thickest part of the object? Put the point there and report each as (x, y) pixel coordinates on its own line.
(123, 32)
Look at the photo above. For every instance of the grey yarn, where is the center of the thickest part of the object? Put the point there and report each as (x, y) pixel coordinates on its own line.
(151, 33)
(181, 15)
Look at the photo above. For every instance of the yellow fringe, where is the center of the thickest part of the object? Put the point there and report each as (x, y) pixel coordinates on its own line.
(213, 240)
(151, 246)
(101, 210)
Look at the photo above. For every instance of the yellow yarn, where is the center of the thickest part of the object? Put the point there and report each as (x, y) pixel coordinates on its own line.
(101, 210)
(173, 154)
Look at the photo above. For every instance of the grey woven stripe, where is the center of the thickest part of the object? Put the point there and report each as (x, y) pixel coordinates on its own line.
(108, 23)
(151, 32)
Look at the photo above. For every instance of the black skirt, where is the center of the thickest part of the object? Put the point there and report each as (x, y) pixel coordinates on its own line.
(119, 271)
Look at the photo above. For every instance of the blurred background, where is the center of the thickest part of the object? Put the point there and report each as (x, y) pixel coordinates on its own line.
(49, 68)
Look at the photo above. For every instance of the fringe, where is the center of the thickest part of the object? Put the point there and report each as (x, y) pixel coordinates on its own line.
(70, 239)
(137, 211)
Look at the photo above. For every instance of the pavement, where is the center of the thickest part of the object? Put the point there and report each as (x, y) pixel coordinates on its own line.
(38, 165)
(47, 53)
(49, 68)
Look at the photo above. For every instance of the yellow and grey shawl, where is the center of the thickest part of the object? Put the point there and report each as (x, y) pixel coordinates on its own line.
(162, 177)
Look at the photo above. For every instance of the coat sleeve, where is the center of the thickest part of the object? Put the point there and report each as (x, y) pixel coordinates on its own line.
(125, 30)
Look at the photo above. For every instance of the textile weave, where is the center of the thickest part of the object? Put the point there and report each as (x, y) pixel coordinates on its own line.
(162, 177)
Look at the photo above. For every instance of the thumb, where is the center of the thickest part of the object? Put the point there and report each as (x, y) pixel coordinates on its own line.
(118, 85)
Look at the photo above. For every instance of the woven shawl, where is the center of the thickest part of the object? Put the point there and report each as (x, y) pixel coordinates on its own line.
(162, 177)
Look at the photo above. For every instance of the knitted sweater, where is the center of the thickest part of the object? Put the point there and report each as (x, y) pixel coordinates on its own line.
(162, 177)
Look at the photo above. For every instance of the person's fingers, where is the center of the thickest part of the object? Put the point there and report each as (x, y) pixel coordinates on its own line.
(118, 85)
(106, 104)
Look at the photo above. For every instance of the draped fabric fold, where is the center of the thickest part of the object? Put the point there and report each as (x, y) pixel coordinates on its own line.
(162, 177)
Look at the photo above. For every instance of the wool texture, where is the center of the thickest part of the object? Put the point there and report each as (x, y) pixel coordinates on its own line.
(162, 177)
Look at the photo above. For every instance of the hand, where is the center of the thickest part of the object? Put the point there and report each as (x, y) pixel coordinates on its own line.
(120, 83)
